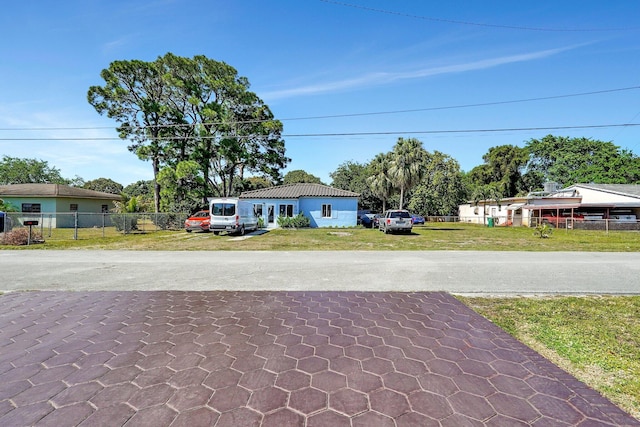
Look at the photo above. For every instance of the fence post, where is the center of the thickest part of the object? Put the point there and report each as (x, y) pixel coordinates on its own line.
(606, 225)
(75, 225)
(103, 222)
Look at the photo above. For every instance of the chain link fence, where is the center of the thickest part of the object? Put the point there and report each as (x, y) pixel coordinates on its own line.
(605, 225)
(77, 225)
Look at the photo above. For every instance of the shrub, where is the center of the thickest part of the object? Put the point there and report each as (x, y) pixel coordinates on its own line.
(168, 221)
(543, 230)
(124, 222)
(20, 237)
(298, 221)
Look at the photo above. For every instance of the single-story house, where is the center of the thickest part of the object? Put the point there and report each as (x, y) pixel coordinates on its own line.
(59, 206)
(324, 206)
(578, 203)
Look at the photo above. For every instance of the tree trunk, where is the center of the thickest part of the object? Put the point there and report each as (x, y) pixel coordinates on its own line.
(156, 186)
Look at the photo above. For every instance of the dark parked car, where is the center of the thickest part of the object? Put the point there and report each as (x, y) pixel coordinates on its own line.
(367, 220)
(417, 219)
(376, 220)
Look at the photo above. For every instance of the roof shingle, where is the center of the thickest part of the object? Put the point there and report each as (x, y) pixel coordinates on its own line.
(53, 190)
(295, 191)
(630, 190)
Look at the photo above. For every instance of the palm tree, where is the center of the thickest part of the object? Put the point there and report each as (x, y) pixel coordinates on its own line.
(486, 193)
(380, 181)
(407, 165)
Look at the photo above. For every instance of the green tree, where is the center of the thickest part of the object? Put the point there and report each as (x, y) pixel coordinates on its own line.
(14, 170)
(352, 176)
(581, 160)
(256, 183)
(135, 95)
(229, 130)
(143, 192)
(177, 109)
(105, 185)
(441, 189)
(175, 197)
(486, 193)
(7, 207)
(407, 161)
(503, 166)
(300, 176)
(379, 180)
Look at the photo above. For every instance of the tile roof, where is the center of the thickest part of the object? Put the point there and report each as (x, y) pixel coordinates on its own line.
(630, 190)
(295, 191)
(53, 190)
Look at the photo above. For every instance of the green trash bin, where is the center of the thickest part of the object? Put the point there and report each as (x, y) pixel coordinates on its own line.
(490, 221)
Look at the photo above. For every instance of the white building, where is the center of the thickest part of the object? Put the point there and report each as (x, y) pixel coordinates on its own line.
(574, 206)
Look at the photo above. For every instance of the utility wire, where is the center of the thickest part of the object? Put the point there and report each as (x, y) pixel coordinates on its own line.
(478, 24)
(371, 113)
(451, 131)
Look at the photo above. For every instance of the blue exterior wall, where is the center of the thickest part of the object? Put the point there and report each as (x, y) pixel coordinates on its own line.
(343, 210)
(265, 203)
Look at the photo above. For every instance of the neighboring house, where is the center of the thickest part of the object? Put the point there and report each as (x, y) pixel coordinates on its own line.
(324, 206)
(619, 203)
(59, 206)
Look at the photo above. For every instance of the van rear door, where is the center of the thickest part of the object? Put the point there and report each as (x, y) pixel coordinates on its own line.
(223, 216)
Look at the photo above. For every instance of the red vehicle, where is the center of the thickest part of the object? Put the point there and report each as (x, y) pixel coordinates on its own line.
(199, 221)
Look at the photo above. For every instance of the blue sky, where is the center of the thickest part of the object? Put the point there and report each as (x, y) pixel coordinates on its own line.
(360, 72)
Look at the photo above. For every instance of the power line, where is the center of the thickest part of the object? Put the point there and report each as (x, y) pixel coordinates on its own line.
(370, 113)
(478, 24)
(309, 135)
(482, 104)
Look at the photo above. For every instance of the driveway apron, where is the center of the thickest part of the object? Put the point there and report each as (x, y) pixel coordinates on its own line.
(222, 358)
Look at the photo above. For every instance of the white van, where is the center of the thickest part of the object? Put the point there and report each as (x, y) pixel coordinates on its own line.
(232, 215)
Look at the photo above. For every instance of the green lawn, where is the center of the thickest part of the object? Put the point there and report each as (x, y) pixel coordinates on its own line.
(597, 339)
(433, 236)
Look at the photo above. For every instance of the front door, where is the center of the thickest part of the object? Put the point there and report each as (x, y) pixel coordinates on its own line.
(271, 218)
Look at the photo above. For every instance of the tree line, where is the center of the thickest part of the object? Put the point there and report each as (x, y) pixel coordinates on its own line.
(408, 176)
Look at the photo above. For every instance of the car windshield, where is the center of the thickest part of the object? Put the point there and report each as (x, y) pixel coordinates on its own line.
(400, 215)
(223, 209)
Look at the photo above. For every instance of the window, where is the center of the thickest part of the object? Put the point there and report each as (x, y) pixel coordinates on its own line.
(399, 214)
(223, 209)
(326, 211)
(257, 208)
(286, 210)
(105, 208)
(73, 207)
(31, 207)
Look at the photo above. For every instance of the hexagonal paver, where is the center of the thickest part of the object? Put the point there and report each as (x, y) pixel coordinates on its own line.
(389, 403)
(308, 400)
(328, 419)
(328, 381)
(348, 402)
(268, 399)
(226, 399)
(293, 380)
(274, 359)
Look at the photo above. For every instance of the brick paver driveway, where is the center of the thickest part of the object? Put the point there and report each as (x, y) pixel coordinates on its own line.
(274, 359)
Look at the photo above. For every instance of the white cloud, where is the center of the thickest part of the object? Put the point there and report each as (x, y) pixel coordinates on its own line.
(381, 78)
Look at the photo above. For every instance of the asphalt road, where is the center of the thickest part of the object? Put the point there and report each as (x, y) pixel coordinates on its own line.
(462, 272)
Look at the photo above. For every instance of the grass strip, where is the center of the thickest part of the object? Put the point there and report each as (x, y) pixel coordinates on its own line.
(595, 338)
